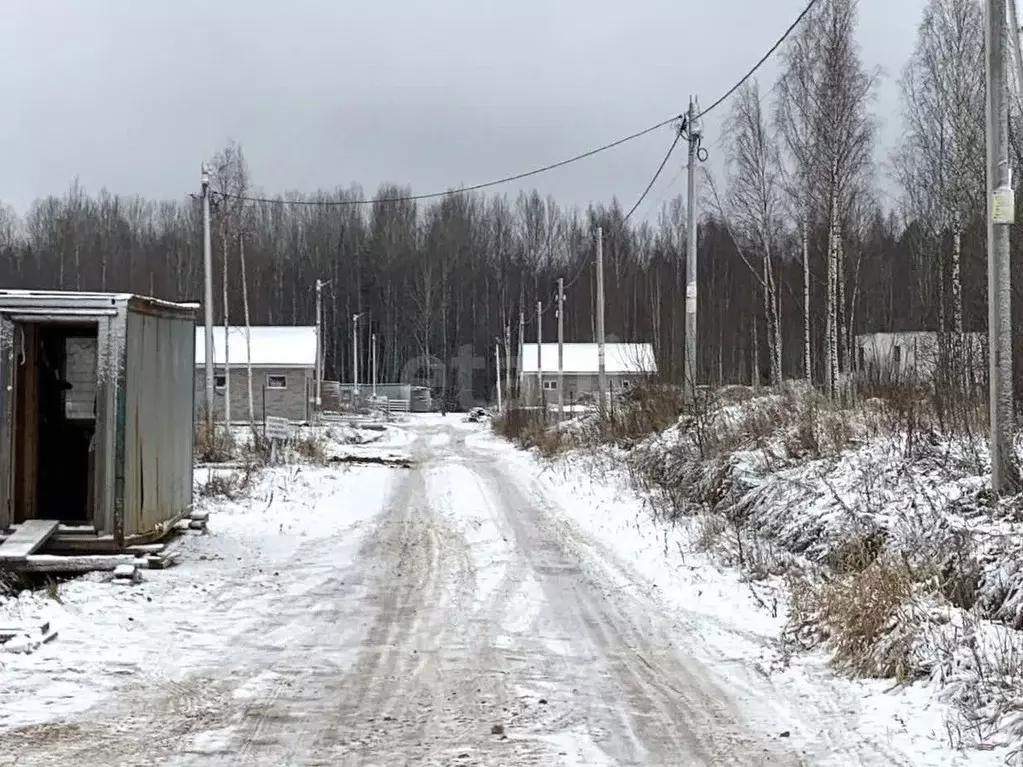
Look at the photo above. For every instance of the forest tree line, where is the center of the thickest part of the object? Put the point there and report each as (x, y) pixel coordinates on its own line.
(798, 210)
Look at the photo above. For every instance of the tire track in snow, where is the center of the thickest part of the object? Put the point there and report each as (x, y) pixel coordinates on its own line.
(428, 685)
(669, 712)
(231, 711)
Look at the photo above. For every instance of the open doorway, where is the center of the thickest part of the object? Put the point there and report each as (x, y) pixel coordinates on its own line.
(55, 422)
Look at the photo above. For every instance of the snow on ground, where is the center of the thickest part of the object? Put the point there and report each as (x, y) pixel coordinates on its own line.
(489, 528)
(109, 634)
(740, 620)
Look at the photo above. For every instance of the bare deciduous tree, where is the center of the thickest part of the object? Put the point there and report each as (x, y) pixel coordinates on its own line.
(822, 112)
(755, 199)
(940, 163)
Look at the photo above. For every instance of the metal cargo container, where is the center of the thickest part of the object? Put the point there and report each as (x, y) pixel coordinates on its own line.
(421, 399)
(96, 402)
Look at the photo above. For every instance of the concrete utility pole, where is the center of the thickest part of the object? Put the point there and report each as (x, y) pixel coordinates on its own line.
(497, 359)
(539, 353)
(227, 337)
(507, 361)
(373, 360)
(689, 360)
(1001, 215)
(248, 330)
(355, 354)
(601, 372)
(318, 400)
(561, 349)
(522, 352)
(207, 265)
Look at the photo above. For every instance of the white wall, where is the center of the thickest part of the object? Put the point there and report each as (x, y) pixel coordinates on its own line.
(911, 355)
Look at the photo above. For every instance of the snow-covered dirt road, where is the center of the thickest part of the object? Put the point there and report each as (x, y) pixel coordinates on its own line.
(448, 614)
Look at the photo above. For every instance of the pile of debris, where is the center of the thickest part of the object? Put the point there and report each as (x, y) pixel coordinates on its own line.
(477, 414)
(25, 639)
(25, 548)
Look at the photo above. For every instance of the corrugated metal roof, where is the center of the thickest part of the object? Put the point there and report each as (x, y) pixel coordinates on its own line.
(582, 358)
(272, 346)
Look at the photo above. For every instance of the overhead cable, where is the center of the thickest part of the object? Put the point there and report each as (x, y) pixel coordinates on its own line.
(462, 190)
(763, 59)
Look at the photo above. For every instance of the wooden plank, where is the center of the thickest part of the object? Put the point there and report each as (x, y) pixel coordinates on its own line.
(163, 561)
(146, 548)
(28, 538)
(85, 563)
(7, 632)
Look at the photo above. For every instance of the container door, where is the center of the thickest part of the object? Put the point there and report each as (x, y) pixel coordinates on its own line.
(9, 352)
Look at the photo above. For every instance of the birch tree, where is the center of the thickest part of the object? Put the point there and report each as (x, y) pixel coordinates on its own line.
(940, 163)
(755, 199)
(230, 183)
(822, 112)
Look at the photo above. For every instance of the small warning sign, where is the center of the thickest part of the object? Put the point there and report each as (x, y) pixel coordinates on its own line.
(1003, 206)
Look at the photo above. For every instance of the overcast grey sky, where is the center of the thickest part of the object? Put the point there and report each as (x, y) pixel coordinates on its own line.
(134, 94)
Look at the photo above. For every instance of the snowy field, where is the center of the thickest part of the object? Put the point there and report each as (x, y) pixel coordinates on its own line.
(478, 608)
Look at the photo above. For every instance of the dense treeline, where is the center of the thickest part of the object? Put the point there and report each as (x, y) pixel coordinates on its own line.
(432, 278)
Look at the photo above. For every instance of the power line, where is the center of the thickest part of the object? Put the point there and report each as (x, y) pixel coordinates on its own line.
(763, 59)
(462, 190)
(657, 175)
(682, 131)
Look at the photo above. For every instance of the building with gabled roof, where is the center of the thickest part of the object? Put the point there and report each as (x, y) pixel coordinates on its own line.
(283, 371)
(624, 365)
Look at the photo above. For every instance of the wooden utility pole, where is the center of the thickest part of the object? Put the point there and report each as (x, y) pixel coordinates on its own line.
(561, 349)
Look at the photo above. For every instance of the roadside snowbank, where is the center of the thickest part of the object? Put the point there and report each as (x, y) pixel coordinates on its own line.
(876, 546)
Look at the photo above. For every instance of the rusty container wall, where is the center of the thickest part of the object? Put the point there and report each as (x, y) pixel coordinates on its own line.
(159, 365)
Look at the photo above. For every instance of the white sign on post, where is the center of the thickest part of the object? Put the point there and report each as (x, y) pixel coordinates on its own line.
(277, 428)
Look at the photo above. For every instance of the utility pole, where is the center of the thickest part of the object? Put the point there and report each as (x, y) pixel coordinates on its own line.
(355, 354)
(689, 361)
(522, 352)
(373, 360)
(207, 265)
(227, 334)
(561, 349)
(539, 353)
(497, 359)
(507, 361)
(248, 331)
(1001, 215)
(601, 372)
(318, 403)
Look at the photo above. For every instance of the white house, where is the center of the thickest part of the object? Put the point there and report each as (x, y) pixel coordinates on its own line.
(624, 365)
(283, 371)
(914, 355)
